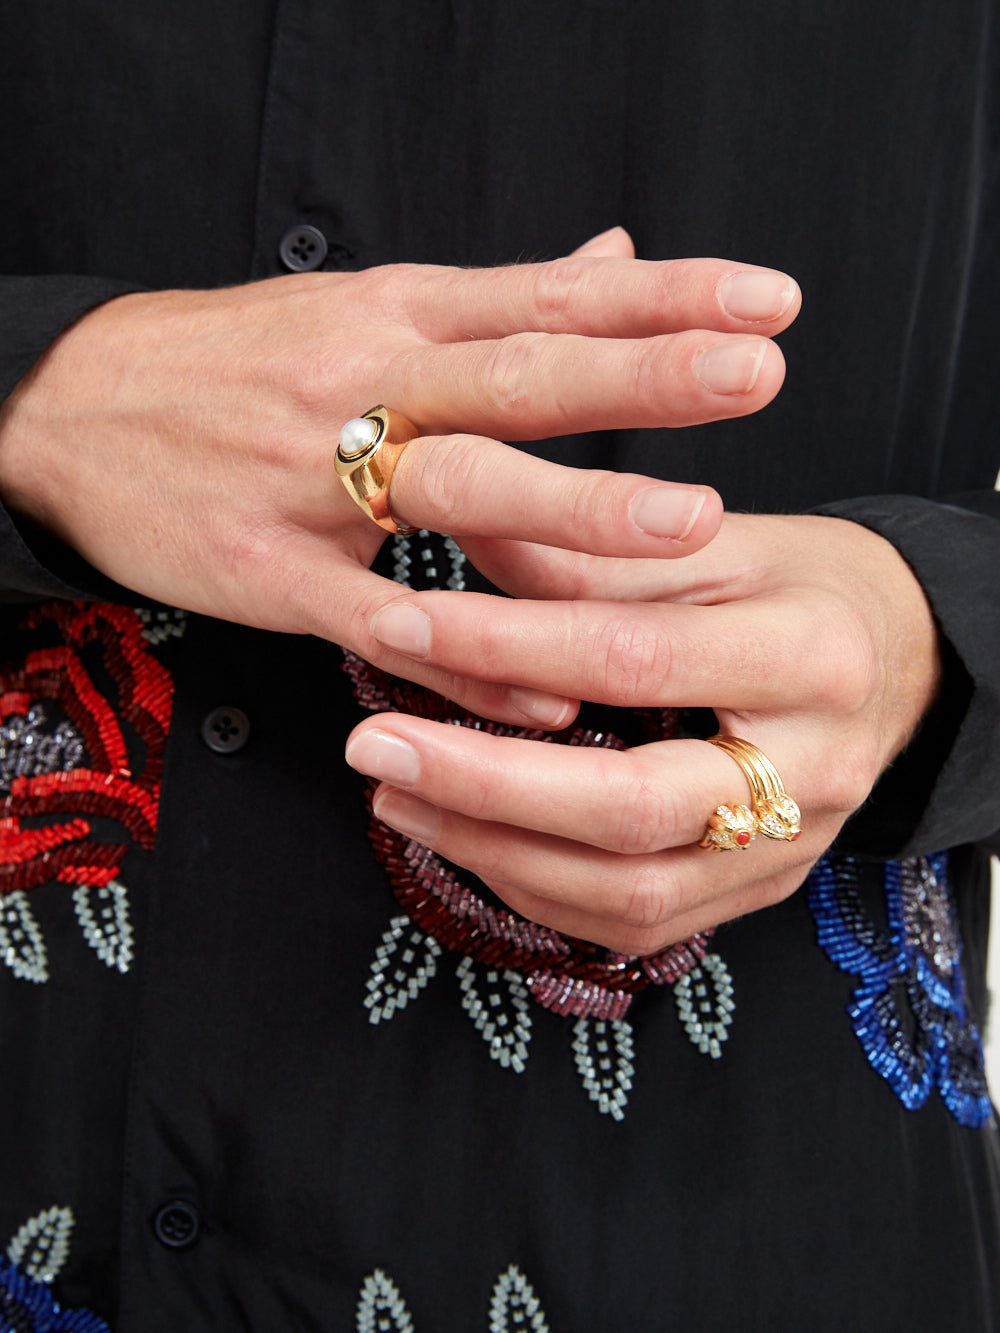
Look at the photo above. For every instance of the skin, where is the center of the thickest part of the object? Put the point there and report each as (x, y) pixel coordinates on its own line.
(182, 441)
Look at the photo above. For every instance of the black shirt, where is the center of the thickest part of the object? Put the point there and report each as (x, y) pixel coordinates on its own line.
(194, 1075)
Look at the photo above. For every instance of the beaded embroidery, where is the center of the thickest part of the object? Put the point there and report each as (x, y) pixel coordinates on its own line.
(514, 1307)
(568, 976)
(83, 726)
(33, 1259)
(507, 959)
(909, 1012)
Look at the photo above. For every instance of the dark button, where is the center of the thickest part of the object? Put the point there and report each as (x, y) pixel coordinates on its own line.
(176, 1224)
(226, 730)
(302, 248)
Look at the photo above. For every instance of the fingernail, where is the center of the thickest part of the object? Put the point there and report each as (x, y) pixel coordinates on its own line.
(731, 366)
(545, 710)
(757, 296)
(666, 511)
(408, 814)
(404, 628)
(384, 756)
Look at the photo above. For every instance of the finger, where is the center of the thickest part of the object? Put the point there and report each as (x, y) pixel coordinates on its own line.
(600, 297)
(464, 484)
(538, 385)
(615, 243)
(733, 566)
(334, 598)
(538, 572)
(633, 802)
(769, 654)
(637, 904)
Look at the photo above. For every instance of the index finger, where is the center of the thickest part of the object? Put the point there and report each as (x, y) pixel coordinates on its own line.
(735, 656)
(601, 297)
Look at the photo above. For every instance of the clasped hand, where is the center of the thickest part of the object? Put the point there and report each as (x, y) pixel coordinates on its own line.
(182, 442)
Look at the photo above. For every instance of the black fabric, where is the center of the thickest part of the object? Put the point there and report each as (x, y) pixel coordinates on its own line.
(782, 1186)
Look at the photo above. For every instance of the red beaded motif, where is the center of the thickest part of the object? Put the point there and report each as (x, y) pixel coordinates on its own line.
(106, 641)
(565, 975)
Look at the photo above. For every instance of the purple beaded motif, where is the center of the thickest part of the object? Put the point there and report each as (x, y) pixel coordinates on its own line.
(563, 975)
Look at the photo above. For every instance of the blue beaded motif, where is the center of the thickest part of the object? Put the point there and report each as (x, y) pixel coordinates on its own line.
(910, 1012)
(27, 1306)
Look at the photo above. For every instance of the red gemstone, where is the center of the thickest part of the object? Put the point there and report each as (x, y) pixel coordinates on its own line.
(796, 836)
(743, 838)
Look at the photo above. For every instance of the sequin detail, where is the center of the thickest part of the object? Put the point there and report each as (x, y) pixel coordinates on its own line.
(33, 1260)
(909, 1012)
(514, 1307)
(567, 976)
(404, 962)
(381, 1308)
(22, 946)
(41, 1246)
(604, 1053)
(167, 622)
(83, 726)
(498, 1004)
(704, 999)
(103, 914)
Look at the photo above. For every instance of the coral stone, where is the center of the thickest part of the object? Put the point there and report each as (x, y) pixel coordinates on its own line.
(743, 838)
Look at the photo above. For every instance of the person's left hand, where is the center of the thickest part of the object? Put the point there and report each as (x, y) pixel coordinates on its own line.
(808, 636)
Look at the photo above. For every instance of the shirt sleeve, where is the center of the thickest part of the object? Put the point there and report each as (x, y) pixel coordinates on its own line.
(944, 789)
(33, 312)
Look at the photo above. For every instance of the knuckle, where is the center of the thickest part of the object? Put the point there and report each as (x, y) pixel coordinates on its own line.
(645, 899)
(553, 288)
(438, 481)
(845, 672)
(510, 370)
(647, 376)
(647, 819)
(852, 775)
(634, 663)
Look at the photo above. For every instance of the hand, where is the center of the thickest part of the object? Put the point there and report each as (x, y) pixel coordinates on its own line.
(809, 637)
(183, 442)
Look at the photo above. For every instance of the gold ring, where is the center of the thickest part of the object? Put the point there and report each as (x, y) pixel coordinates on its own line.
(369, 450)
(775, 814)
(731, 828)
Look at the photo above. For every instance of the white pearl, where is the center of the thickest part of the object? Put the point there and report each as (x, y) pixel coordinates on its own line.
(357, 434)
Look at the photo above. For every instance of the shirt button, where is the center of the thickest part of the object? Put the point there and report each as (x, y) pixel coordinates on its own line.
(176, 1224)
(226, 730)
(302, 248)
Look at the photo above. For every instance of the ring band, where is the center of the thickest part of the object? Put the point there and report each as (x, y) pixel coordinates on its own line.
(367, 455)
(775, 814)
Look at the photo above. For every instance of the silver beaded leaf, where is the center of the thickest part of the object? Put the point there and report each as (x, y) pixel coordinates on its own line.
(161, 624)
(514, 1307)
(604, 1053)
(103, 914)
(704, 998)
(499, 1005)
(404, 963)
(42, 1244)
(21, 945)
(381, 1308)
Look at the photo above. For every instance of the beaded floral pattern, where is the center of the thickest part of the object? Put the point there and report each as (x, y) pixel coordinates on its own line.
(567, 976)
(514, 1307)
(83, 727)
(509, 964)
(33, 1259)
(910, 1010)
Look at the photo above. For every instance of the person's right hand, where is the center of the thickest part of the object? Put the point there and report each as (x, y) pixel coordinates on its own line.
(183, 441)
